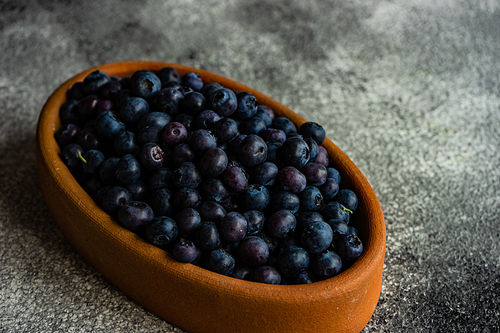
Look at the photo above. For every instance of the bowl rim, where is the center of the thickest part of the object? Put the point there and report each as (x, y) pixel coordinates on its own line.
(374, 245)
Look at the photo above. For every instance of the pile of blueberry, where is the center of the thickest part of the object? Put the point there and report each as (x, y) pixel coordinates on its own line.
(210, 176)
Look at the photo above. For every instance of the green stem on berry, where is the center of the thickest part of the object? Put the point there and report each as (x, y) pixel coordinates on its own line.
(81, 157)
(347, 209)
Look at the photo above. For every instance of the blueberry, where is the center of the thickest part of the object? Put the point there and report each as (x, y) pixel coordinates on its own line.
(185, 251)
(266, 274)
(253, 125)
(213, 163)
(253, 251)
(272, 148)
(236, 179)
(322, 157)
(182, 153)
(303, 277)
(348, 199)
(312, 130)
(128, 170)
(207, 236)
(292, 260)
(255, 197)
(264, 174)
(157, 119)
(206, 119)
(133, 109)
(281, 224)
(246, 105)
(334, 174)
(338, 228)
(263, 114)
(335, 210)
(233, 227)
(211, 211)
(349, 247)
(329, 189)
(186, 198)
(107, 170)
(305, 218)
(313, 148)
(173, 133)
(76, 91)
(311, 199)
(294, 152)
(71, 155)
(292, 179)
(188, 220)
(285, 125)
(252, 151)
(168, 74)
(110, 89)
(108, 125)
(94, 81)
(186, 175)
(315, 173)
(187, 120)
(169, 100)
(316, 237)
(148, 134)
(66, 134)
(220, 261)
(213, 189)
(161, 202)
(161, 231)
(145, 84)
(113, 198)
(201, 140)
(126, 143)
(135, 215)
(273, 135)
(208, 89)
(225, 129)
(326, 264)
(139, 191)
(223, 101)
(241, 272)
(87, 106)
(193, 103)
(92, 159)
(192, 80)
(255, 221)
(285, 200)
(161, 178)
(88, 138)
(69, 113)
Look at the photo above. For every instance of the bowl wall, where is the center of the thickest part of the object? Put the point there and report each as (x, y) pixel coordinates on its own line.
(190, 297)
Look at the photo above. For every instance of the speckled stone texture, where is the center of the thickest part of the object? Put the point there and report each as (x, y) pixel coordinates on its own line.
(408, 89)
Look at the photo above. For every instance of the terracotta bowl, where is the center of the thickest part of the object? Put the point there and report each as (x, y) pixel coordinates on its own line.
(190, 297)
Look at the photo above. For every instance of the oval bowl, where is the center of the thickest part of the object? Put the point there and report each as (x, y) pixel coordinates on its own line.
(188, 296)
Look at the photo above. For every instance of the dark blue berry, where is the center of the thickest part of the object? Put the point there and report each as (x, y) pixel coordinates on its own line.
(292, 260)
(247, 105)
(326, 264)
(161, 231)
(220, 261)
(252, 151)
(161, 202)
(312, 130)
(281, 224)
(213, 163)
(94, 81)
(311, 199)
(186, 175)
(145, 84)
(169, 101)
(135, 215)
(192, 80)
(185, 251)
(349, 247)
(128, 170)
(255, 197)
(168, 74)
(266, 274)
(223, 101)
(316, 237)
(108, 125)
(134, 109)
(207, 236)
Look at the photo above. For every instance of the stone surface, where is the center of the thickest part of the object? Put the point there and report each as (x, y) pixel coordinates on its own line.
(408, 89)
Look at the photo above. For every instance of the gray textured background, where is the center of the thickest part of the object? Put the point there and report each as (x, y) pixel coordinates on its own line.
(408, 89)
